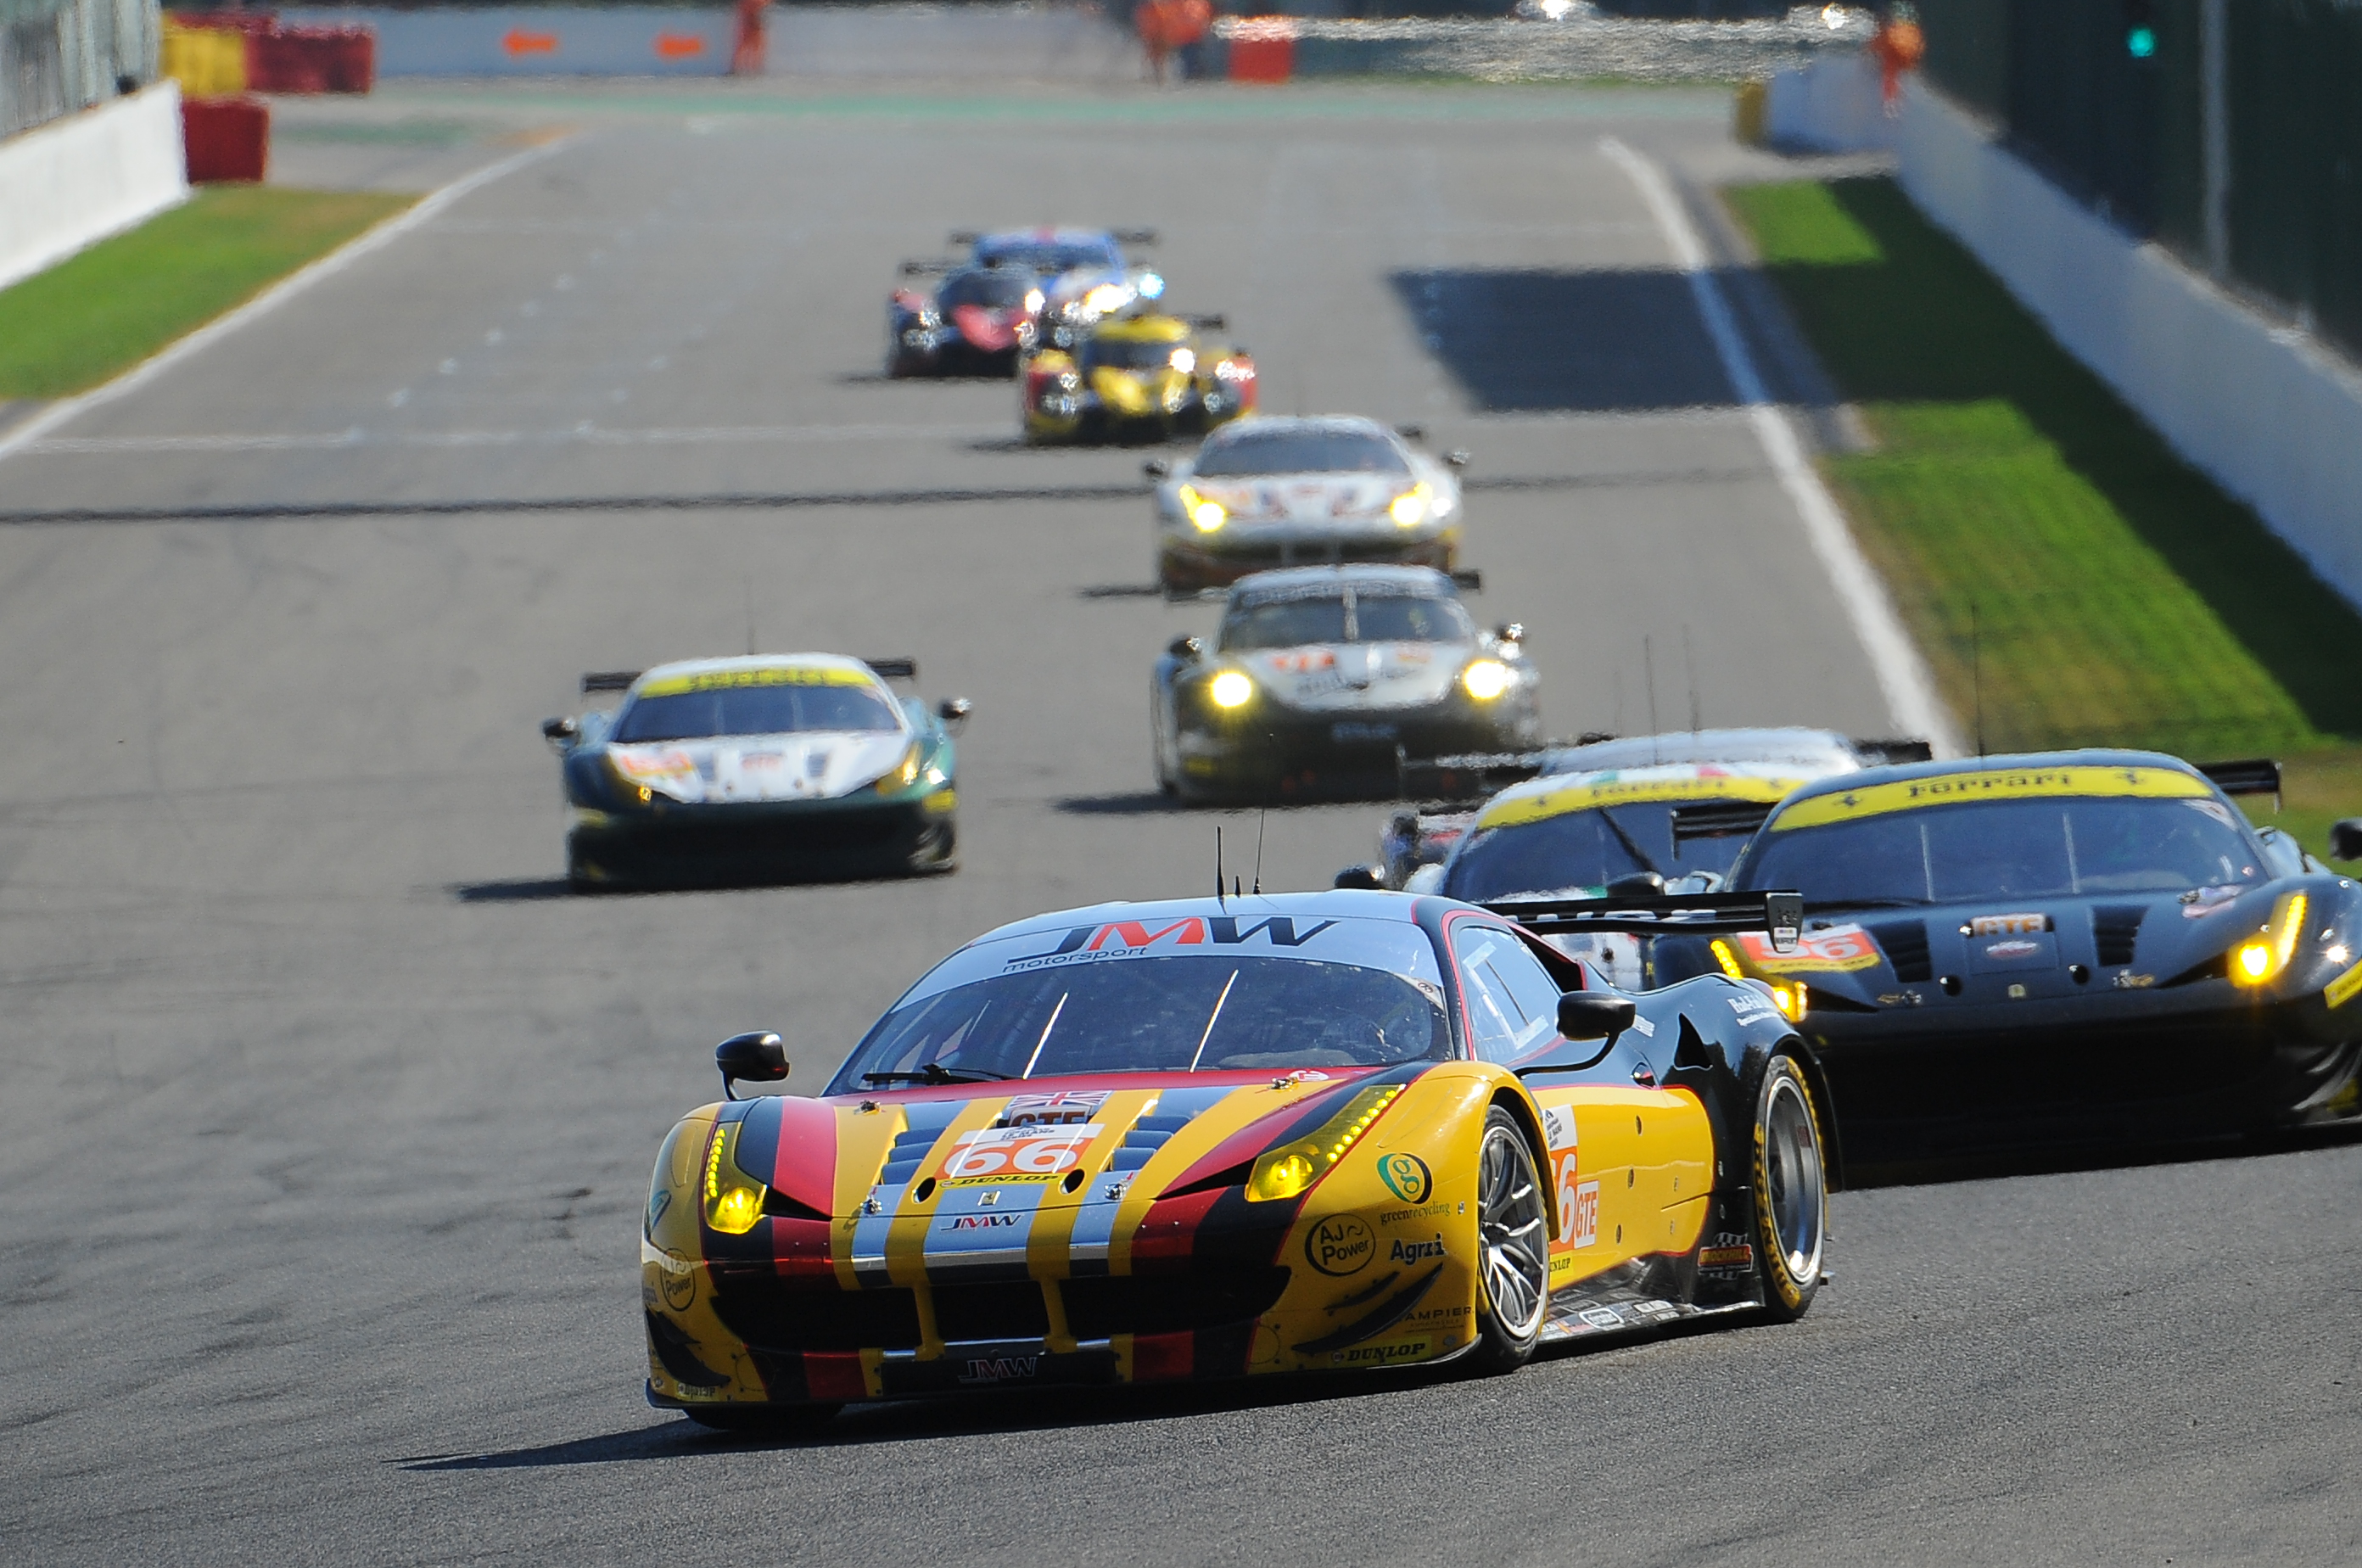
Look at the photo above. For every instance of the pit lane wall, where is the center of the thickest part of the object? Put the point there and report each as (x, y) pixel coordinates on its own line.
(2266, 412)
(71, 183)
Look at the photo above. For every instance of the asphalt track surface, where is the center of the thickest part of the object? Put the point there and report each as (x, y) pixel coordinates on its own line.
(325, 1116)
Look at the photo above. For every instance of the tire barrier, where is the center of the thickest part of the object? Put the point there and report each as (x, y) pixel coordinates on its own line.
(228, 139)
(1262, 48)
(220, 54)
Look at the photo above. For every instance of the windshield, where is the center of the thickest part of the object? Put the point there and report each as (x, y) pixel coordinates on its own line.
(1126, 354)
(1049, 256)
(1349, 617)
(2008, 849)
(1301, 452)
(754, 711)
(1208, 1013)
(1581, 849)
(994, 290)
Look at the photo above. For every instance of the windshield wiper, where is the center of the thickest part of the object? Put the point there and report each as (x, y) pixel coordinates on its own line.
(1630, 848)
(936, 1073)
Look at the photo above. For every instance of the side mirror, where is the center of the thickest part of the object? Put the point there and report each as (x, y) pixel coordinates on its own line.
(557, 732)
(2346, 839)
(1186, 648)
(1411, 432)
(1510, 631)
(954, 711)
(1457, 457)
(757, 1057)
(1156, 467)
(1367, 878)
(1590, 1015)
(1639, 885)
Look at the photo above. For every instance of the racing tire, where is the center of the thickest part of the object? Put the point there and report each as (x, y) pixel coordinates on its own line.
(1792, 1195)
(1512, 1247)
(764, 1420)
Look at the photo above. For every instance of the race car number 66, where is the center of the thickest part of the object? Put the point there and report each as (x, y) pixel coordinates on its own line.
(1034, 1152)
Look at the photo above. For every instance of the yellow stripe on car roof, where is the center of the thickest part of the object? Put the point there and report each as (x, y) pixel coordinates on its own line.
(1993, 784)
(1626, 791)
(772, 675)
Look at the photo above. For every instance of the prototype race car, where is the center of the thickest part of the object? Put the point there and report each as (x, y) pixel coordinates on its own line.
(767, 767)
(1425, 836)
(977, 322)
(1214, 1138)
(2083, 948)
(1324, 681)
(1144, 378)
(1296, 492)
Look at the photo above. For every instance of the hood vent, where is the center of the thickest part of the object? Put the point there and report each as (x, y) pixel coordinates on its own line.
(1904, 942)
(2114, 928)
(1148, 1134)
(909, 1153)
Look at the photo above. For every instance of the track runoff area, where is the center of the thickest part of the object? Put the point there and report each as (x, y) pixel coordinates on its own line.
(327, 1117)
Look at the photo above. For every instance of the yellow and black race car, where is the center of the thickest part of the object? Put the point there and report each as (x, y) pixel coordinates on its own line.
(1142, 378)
(1157, 1142)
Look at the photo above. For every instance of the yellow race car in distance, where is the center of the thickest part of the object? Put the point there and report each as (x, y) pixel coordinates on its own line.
(1142, 378)
(1333, 1132)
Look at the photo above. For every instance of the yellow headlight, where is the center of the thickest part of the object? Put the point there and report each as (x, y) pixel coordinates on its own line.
(1286, 1171)
(1722, 956)
(1409, 508)
(902, 775)
(1231, 689)
(2262, 957)
(733, 1204)
(1206, 515)
(1184, 360)
(1106, 297)
(735, 1212)
(1790, 1001)
(1486, 679)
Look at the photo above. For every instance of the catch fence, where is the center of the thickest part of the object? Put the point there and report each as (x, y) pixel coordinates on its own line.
(2228, 130)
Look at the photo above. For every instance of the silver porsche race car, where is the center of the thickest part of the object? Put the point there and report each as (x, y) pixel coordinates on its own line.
(1324, 681)
(1277, 493)
(771, 767)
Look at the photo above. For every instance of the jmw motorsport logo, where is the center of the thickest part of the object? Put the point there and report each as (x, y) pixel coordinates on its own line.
(1119, 939)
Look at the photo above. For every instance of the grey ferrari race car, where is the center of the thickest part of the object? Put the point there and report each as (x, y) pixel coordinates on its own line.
(775, 767)
(1275, 492)
(1324, 681)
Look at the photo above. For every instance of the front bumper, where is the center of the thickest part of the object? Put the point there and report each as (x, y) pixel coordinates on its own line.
(1297, 756)
(721, 845)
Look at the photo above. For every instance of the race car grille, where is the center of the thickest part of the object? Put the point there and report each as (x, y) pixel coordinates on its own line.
(1010, 1311)
(1166, 1304)
(2114, 928)
(1904, 942)
(772, 1316)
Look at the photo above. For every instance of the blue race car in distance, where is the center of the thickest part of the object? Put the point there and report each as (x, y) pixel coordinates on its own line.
(770, 768)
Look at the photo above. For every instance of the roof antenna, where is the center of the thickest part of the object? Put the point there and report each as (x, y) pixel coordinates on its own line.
(1690, 659)
(1977, 675)
(1217, 865)
(1649, 673)
(1261, 817)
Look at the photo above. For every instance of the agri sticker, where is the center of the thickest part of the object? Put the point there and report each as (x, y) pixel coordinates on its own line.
(1405, 1176)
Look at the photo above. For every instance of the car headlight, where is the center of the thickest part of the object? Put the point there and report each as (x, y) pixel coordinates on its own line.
(1230, 690)
(1409, 508)
(1107, 297)
(1285, 1171)
(1184, 360)
(2264, 955)
(733, 1200)
(1486, 679)
(1032, 302)
(1151, 285)
(902, 775)
(1206, 515)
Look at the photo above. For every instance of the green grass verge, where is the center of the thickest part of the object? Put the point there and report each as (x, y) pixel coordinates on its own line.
(100, 313)
(2063, 570)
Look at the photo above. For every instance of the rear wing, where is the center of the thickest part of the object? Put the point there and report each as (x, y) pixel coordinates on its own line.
(1719, 819)
(1685, 914)
(924, 266)
(1880, 753)
(1133, 236)
(1208, 323)
(2249, 776)
(893, 669)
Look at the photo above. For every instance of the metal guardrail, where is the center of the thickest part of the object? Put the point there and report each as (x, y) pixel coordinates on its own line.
(58, 57)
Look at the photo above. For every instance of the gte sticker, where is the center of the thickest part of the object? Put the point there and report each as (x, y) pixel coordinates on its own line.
(2009, 924)
(1841, 948)
(1064, 1108)
(998, 1154)
(1405, 1176)
(1341, 1244)
(1578, 1209)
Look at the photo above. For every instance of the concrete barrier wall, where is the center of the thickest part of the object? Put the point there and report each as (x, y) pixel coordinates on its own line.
(73, 181)
(1830, 105)
(964, 41)
(539, 40)
(2270, 415)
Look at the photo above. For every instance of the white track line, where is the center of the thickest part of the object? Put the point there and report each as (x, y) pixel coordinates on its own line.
(271, 299)
(1903, 675)
(580, 434)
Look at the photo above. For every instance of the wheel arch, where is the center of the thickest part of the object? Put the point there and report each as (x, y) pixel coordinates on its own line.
(1521, 1107)
(1818, 1078)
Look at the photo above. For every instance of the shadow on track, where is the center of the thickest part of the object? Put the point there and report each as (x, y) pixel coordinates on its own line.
(2103, 1157)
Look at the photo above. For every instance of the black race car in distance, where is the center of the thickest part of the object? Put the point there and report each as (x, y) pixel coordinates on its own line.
(2014, 954)
(977, 322)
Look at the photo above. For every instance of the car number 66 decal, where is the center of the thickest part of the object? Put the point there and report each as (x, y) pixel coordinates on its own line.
(1016, 1153)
